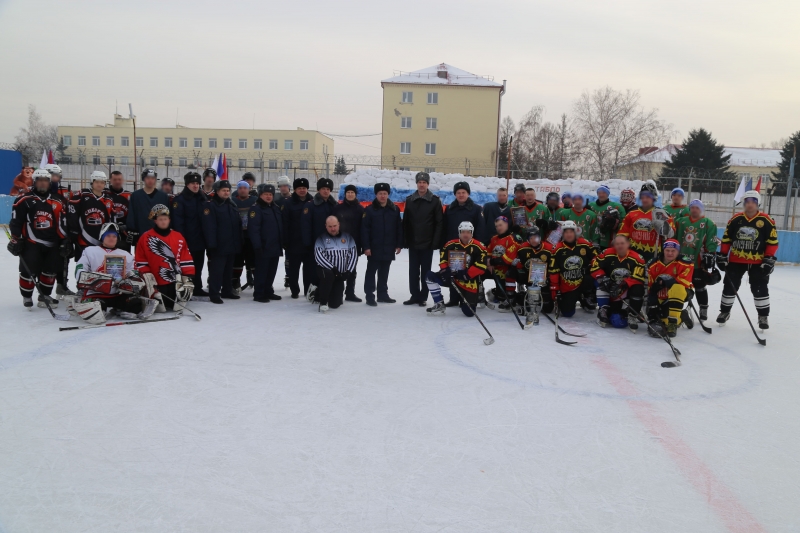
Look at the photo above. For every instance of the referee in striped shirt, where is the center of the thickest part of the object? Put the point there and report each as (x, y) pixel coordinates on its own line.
(336, 255)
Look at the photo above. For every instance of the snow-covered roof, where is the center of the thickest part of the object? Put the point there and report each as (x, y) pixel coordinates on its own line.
(740, 157)
(442, 74)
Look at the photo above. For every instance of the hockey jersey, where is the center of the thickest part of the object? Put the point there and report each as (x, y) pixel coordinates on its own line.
(119, 207)
(586, 221)
(115, 262)
(525, 253)
(749, 240)
(39, 218)
(680, 271)
(677, 211)
(696, 236)
(474, 256)
(569, 264)
(166, 256)
(88, 213)
(638, 226)
(629, 268)
(503, 246)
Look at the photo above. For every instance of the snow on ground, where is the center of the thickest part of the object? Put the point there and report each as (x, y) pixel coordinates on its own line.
(272, 417)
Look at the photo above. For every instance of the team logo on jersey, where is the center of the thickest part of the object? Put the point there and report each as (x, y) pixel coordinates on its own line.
(95, 219)
(689, 238)
(206, 211)
(162, 249)
(42, 221)
(643, 224)
(573, 263)
(702, 225)
(746, 233)
(498, 251)
(583, 252)
(618, 274)
(759, 223)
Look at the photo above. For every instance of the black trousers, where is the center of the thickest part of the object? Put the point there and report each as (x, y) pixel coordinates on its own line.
(44, 263)
(245, 258)
(168, 290)
(62, 276)
(266, 268)
(330, 290)
(199, 259)
(700, 282)
(419, 265)
(381, 268)
(759, 286)
(125, 303)
(566, 304)
(220, 272)
(350, 285)
(296, 261)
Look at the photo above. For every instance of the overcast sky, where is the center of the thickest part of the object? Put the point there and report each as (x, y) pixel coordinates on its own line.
(732, 67)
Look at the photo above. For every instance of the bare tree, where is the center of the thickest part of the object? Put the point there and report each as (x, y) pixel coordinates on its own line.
(612, 126)
(36, 137)
(779, 144)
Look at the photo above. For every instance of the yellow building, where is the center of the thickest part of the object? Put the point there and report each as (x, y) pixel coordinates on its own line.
(113, 145)
(441, 118)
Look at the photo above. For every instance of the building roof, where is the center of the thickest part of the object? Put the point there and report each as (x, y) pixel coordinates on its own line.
(740, 157)
(443, 74)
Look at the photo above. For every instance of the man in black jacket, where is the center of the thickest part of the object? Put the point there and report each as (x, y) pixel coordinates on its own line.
(187, 219)
(296, 235)
(283, 194)
(422, 234)
(463, 209)
(382, 239)
(265, 229)
(222, 229)
(350, 214)
(321, 209)
(492, 210)
(245, 258)
(140, 204)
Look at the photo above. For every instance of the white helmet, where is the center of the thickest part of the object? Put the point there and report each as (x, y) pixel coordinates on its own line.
(41, 174)
(569, 224)
(752, 194)
(98, 175)
(283, 180)
(53, 169)
(466, 226)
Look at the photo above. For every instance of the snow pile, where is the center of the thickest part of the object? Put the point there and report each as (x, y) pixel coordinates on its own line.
(484, 189)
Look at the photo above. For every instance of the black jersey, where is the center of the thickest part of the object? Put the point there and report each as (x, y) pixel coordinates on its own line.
(39, 218)
(120, 203)
(88, 213)
(569, 264)
(749, 240)
(473, 255)
(630, 267)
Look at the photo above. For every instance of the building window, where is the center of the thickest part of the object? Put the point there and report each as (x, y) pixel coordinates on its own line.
(124, 141)
(182, 161)
(273, 163)
(745, 175)
(431, 123)
(287, 164)
(408, 97)
(67, 140)
(140, 141)
(430, 169)
(430, 148)
(212, 143)
(258, 164)
(153, 142)
(81, 140)
(227, 143)
(95, 159)
(124, 160)
(405, 122)
(153, 161)
(198, 143)
(303, 165)
(109, 141)
(288, 144)
(433, 98)
(168, 161)
(304, 145)
(96, 141)
(405, 148)
(403, 168)
(273, 144)
(167, 142)
(110, 160)
(242, 164)
(242, 144)
(258, 144)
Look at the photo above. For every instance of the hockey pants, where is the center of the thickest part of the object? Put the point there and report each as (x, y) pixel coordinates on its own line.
(759, 286)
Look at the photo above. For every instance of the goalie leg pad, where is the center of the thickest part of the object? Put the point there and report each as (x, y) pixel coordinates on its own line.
(91, 312)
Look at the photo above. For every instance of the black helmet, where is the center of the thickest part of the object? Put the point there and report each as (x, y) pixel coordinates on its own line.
(209, 172)
(534, 231)
(249, 176)
(714, 277)
(553, 196)
(168, 180)
(648, 187)
(149, 172)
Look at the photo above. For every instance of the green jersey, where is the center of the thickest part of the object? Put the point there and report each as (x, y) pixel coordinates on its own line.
(696, 237)
(586, 221)
(677, 212)
(604, 236)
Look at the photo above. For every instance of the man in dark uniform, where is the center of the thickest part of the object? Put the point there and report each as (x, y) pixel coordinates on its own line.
(265, 230)
(245, 258)
(297, 233)
(187, 219)
(350, 214)
(222, 229)
(140, 204)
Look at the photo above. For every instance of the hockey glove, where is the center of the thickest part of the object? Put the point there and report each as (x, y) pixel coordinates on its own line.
(14, 246)
(604, 283)
(132, 237)
(445, 275)
(663, 282)
(184, 289)
(768, 264)
(65, 249)
(555, 294)
(618, 290)
(551, 225)
(496, 261)
(461, 275)
(708, 260)
(722, 261)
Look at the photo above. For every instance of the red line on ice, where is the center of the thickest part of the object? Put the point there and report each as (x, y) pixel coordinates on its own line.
(732, 513)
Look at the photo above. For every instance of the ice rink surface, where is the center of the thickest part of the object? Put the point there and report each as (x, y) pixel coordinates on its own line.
(273, 417)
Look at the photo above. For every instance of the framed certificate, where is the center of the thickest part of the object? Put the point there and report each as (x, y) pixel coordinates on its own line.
(518, 216)
(114, 266)
(457, 260)
(537, 272)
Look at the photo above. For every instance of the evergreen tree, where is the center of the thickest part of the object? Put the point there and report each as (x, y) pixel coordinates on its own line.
(702, 154)
(61, 149)
(782, 176)
(341, 167)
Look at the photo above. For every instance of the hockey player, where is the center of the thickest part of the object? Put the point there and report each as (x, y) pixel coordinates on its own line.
(502, 250)
(549, 215)
(609, 216)
(628, 200)
(533, 209)
(520, 191)
(585, 219)
(38, 230)
(56, 187)
(566, 200)
(89, 210)
(647, 226)
(164, 253)
(167, 187)
(245, 258)
(536, 295)
(669, 280)
(620, 276)
(209, 178)
(250, 178)
(750, 244)
(697, 236)
(63, 194)
(119, 208)
(462, 262)
(677, 209)
(570, 281)
(222, 230)
(187, 219)
(106, 279)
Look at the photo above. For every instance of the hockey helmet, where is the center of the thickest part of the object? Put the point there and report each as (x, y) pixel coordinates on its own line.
(41, 174)
(534, 232)
(53, 169)
(466, 226)
(157, 211)
(149, 172)
(248, 176)
(108, 227)
(569, 224)
(752, 195)
(168, 180)
(649, 187)
(209, 172)
(553, 196)
(714, 277)
(520, 187)
(98, 175)
(627, 196)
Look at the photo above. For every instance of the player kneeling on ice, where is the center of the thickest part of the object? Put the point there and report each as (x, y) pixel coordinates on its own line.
(670, 282)
(106, 279)
(336, 254)
(619, 274)
(163, 254)
(502, 249)
(462, 262)
(529, 268)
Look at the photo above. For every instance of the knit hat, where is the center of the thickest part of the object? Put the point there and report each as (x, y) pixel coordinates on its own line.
(300, 182)
(677, 190)
(566, 195)
(283, 180)
(461, 185)
(324, 183)
(604, 188)
(577, 195)
(242, 183)
(698, 203)
(503, 218)
(422, 176)
(519, 187)
(382, 187)
(672, 243)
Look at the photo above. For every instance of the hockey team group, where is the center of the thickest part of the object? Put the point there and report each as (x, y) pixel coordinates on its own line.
(629, 262)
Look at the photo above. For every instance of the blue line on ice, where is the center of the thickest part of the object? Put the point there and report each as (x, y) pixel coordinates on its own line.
(48, 349)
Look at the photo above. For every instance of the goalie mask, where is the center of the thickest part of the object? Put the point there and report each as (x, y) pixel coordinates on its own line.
(109, 228)
(157, 211)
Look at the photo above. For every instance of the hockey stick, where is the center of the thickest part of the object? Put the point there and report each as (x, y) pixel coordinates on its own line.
(183, 306)
(505, 297)
(488, 341)
(558, 340)
(762, 342)
(562, 330)
(699, 320)
(665, 338)
(129, 323)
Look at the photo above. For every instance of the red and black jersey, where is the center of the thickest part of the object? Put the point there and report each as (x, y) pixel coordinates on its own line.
(88, 213)
(120, 202)
(749, 240)
(569, 264)
(165, 255)
(640, 228)
(629, 268)
(473, 255)
(39, 218)
(680, 271)
(503, 246)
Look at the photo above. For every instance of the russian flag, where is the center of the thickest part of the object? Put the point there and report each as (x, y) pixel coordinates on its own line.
(758, 185)
(50, 159)
(223, 173)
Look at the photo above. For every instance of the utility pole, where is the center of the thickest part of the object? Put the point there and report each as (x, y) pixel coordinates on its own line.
(508, 170)
(133, 118)
(789, 185)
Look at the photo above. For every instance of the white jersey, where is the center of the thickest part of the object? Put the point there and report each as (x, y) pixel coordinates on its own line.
(115, 262)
